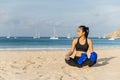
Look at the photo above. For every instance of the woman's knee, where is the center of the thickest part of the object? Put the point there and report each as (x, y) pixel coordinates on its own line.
(93, 57)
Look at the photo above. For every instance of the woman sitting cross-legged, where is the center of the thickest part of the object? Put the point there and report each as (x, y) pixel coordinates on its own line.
(81, 44)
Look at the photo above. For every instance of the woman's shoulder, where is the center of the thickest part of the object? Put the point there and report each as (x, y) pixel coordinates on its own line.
(89, 40)
(75, 40)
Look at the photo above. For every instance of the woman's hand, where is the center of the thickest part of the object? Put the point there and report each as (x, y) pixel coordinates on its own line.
(67, 57)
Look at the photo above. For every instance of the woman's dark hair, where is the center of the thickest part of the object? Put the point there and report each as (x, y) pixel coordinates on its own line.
(84, 29)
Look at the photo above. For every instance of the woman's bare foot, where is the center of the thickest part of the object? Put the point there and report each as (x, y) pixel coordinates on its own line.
(85, 67)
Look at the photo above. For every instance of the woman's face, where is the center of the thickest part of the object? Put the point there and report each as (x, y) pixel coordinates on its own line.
(80, 32)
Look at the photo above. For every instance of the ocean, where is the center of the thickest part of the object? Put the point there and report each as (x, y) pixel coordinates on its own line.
(29, 43)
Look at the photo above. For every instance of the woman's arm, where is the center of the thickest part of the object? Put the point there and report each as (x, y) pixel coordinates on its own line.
(90, 45)
(72, 49)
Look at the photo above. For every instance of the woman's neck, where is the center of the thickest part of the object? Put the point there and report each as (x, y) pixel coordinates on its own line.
(82, 38)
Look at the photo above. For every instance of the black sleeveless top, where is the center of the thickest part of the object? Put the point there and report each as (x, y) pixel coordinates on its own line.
(83, 47)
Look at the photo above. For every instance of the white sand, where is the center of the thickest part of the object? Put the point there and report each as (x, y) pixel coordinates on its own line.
(50, 65)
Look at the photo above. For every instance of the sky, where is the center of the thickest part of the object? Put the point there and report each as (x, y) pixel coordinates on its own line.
(28, 17)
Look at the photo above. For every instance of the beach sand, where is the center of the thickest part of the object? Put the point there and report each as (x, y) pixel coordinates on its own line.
(50, 65)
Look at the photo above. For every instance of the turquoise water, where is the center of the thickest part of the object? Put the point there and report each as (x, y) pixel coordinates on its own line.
(47, 43)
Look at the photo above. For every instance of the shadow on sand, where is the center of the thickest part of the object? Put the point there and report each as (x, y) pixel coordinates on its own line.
(103, 61)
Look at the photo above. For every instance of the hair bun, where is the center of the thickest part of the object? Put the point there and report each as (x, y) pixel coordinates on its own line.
(87, 28)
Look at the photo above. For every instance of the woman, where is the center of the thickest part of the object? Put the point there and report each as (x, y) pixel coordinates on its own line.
(82, 44)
